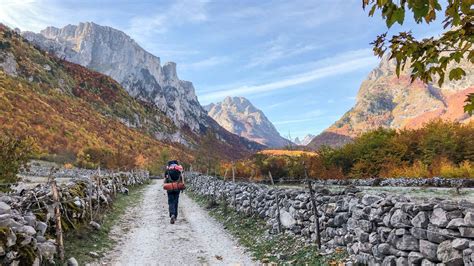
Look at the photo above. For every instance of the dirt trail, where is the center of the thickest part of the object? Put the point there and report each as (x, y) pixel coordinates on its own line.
(147, 238)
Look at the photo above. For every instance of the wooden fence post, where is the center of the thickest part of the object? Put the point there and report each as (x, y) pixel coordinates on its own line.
(278, 211)
(250, 201)
(316, 214)
(271, 177)
(233, 172)
(57, 216)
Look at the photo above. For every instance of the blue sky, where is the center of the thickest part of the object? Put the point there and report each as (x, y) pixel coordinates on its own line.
(301, 62)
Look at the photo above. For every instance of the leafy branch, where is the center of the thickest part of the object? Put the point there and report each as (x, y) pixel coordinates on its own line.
(429, 57)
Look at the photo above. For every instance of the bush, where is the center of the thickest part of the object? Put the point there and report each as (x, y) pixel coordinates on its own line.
(14, 154)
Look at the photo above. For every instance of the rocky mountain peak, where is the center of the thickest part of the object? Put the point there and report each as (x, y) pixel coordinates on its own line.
(385, 100)
(169, 70)
(114, 53)
(241, 117)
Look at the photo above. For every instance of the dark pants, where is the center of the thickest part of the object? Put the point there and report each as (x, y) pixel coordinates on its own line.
(173, 197)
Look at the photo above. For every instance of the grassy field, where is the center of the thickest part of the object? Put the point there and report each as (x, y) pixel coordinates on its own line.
(252, 233)
(287, 153)
(80, 242)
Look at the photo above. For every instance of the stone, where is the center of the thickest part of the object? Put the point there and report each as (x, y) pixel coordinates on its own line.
(47, 250)
(414, 258)
(439, 217)
(41, 228)
(95, 225)
(407, 243)
(418, 233)
(369, 199)
(402, 261)
(467, 232)
(340, 218)
(460, 243)
(4, 208)
(426, 262)
(435, 234)
(390, 261)
(365, 225)
(421, 220)
(72, 262)
(456, 223)
(429, 250)
(28, 230)
(400, 219)
(93, 254)
(400, 231)
(448, 255)
(286, 219)
(469, 219)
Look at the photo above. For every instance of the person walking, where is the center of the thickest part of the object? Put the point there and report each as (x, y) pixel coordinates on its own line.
(173, 185)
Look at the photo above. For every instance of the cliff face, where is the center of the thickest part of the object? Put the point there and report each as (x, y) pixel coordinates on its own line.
(239, 116)
(112, 52)
(115, 54)
(384, 100)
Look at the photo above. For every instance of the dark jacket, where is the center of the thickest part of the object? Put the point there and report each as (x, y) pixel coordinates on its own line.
(173, 176)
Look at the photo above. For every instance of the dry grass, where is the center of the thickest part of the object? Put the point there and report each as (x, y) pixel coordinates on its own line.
(287, 153)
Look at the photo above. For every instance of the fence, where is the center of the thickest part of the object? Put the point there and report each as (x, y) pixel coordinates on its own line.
(50, 209)
(373, 228)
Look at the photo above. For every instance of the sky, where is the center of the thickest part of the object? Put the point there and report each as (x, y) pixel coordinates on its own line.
(301, 62)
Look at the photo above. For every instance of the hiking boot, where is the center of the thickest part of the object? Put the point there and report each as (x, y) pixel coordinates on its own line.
(173, 219)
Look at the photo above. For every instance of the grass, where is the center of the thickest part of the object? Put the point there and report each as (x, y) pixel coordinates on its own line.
(79, 243)
(252, 233)
(287, 153)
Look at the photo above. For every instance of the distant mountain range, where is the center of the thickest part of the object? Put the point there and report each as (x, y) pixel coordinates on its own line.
(305, 141)
(113, 53)
(239, 116)
(384, 100)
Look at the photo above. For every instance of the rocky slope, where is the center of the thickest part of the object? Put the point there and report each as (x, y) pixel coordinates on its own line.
(305, 141)
(384, 100)
(239, 116)
(112, 52)
(67, 107)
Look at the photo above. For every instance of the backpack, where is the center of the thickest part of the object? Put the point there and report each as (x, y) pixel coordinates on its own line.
(173, 175)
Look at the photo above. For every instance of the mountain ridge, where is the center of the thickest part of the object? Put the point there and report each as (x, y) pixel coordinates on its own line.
(239, 116)
(385, 100)
(114, 53)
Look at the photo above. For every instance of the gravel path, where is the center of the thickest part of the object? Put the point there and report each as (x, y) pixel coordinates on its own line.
(145, 236)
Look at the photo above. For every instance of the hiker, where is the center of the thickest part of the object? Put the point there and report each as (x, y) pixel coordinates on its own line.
(173, 185)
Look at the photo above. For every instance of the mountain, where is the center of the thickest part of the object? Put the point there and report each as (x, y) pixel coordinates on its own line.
(68, 107)
(305, 141)
(113, 53)
(239, 116)
(384, 100)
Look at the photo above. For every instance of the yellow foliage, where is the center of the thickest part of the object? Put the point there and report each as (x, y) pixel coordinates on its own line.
(287, 153)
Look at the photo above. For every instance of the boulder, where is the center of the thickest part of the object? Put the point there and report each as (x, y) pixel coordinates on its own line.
(456, 223)
(469, 219)
(4, 208)
(460, 243)
(402, 261)
(47, 250)
(390, 261)
(407, 243)
(400, 219)
(429, 250)
(414, 258)
(439, 217)
(371, 199)
(448, 254)
(421, 220)
(286, 219)
(72, 262)
(418, 233)
(437, 235)
(467, 232)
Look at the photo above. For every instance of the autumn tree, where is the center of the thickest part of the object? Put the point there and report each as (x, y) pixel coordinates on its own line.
(429, 57)
(14, 155)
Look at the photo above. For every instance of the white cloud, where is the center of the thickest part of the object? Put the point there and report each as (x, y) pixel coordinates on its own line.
(339, 65)
(206, 63)
(179, 13)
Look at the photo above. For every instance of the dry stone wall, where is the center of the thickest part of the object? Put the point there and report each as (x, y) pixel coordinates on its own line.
(27, 225)
(375, 229)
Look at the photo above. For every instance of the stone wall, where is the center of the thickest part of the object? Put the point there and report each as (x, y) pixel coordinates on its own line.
(375, 229)
(27, 225)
